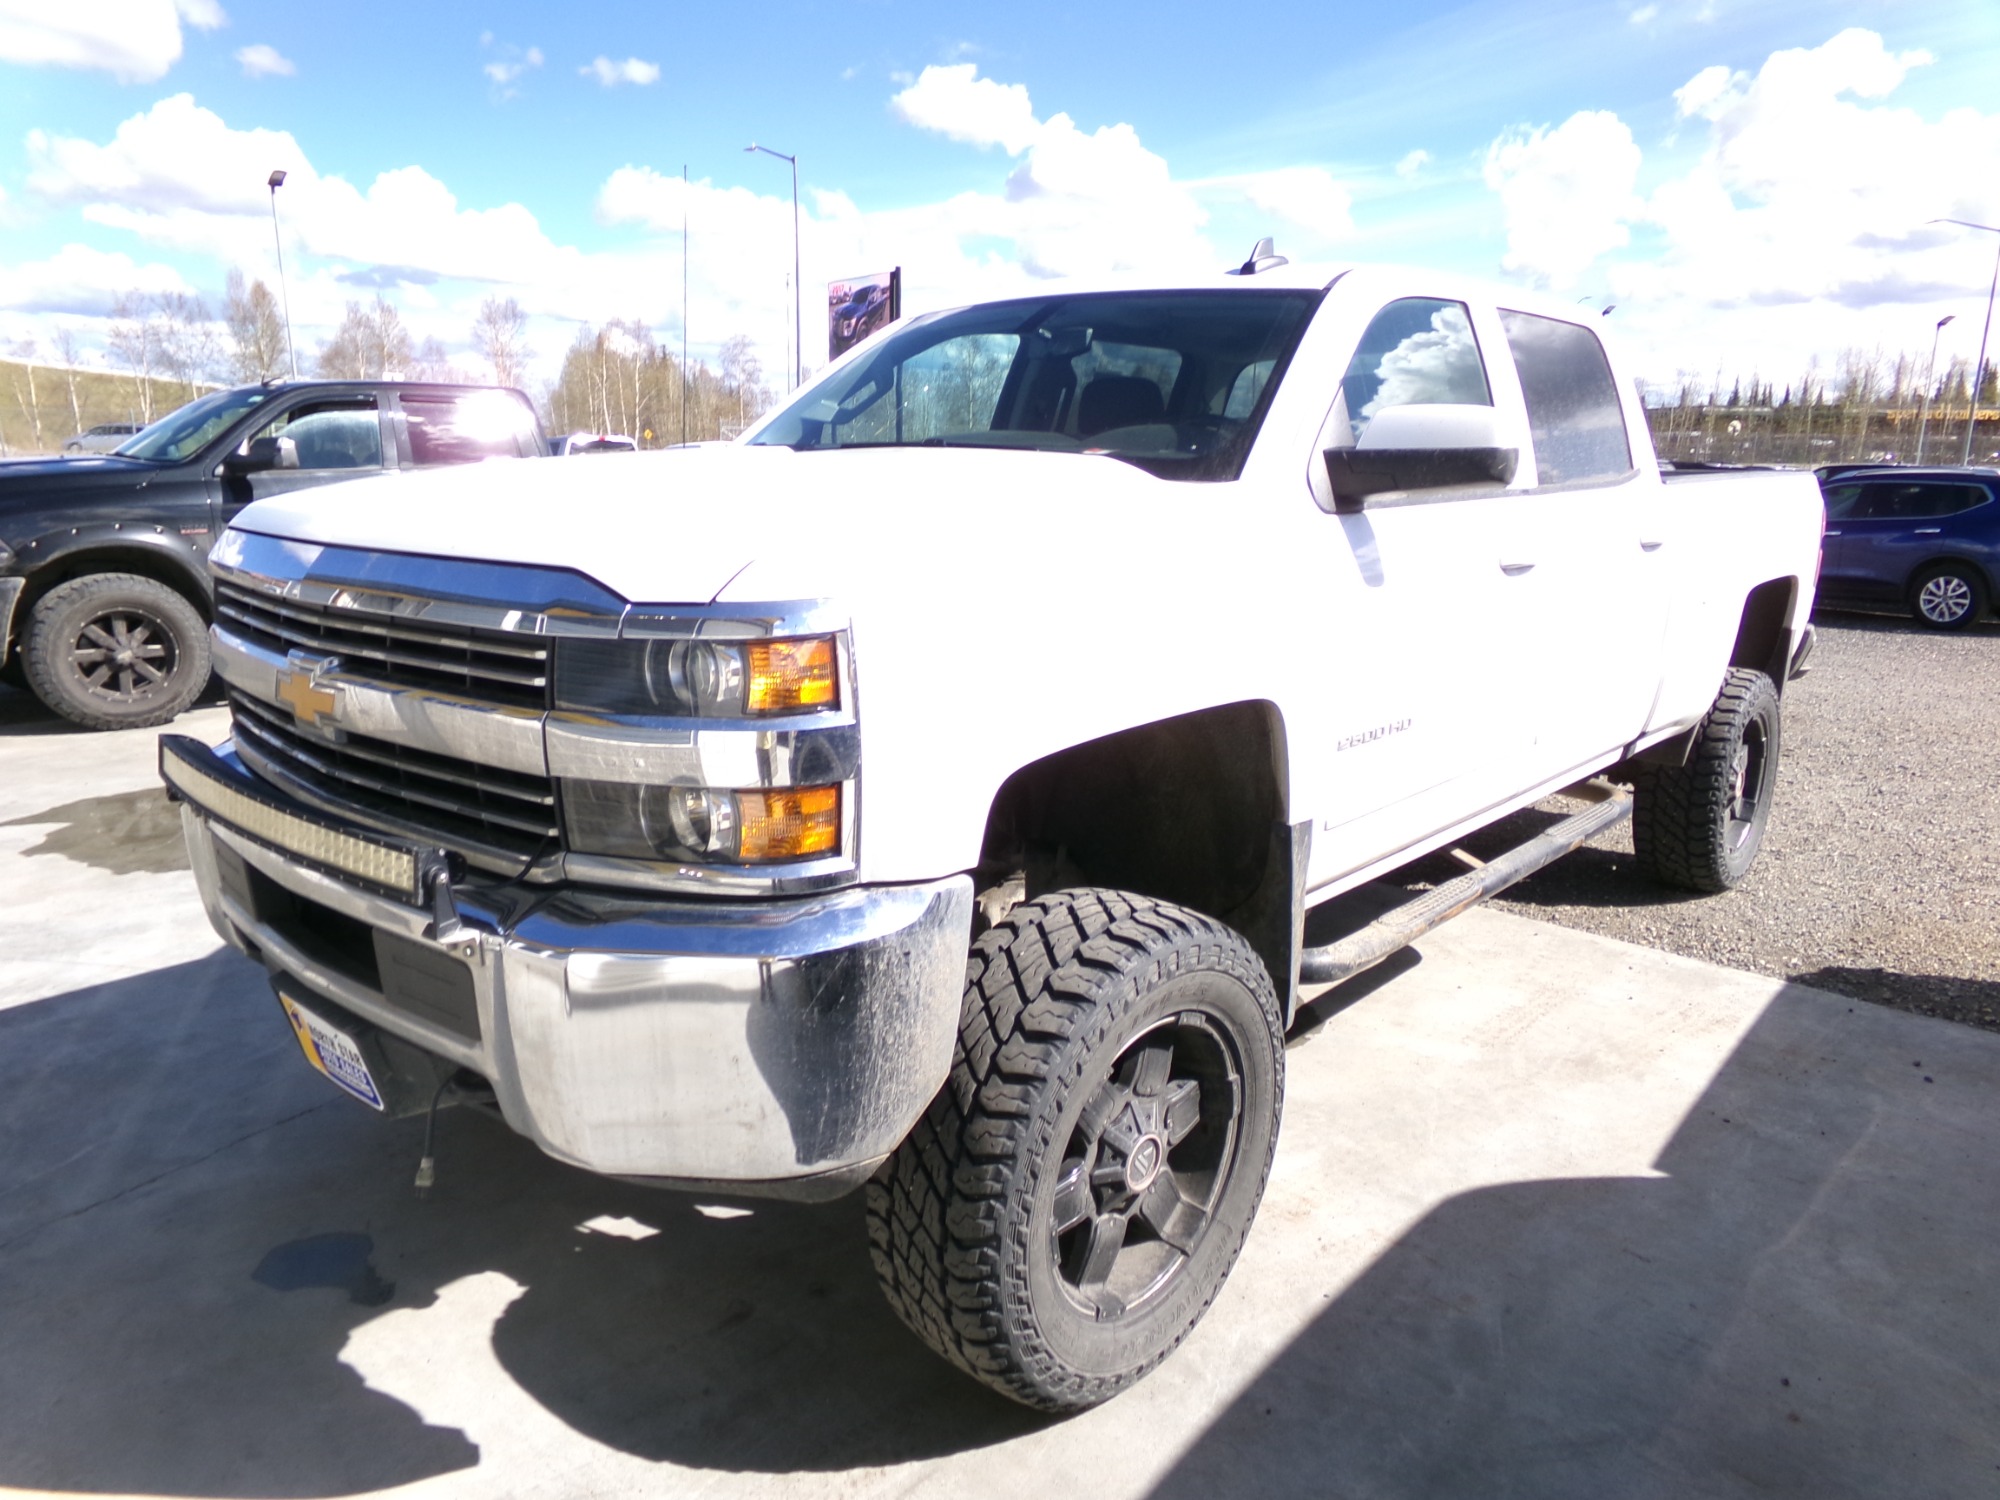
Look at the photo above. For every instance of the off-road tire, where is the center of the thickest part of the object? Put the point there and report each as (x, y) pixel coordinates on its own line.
(1698, 827)
(1949, 596)
(1072, 1000)
(115, 651)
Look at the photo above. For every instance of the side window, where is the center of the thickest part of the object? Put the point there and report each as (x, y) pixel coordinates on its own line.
(1843, 501)
(461, 428)
(336, 434)
(952, 387)
(1417, 352)
(1574, 416)
(1919, 502)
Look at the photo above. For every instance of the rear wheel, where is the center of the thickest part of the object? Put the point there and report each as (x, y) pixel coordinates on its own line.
(115, 651)
(1950, 596)
(1072, 1201)
(1698, 826)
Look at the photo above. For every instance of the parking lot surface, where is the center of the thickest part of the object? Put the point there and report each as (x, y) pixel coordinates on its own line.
(1553, 1215)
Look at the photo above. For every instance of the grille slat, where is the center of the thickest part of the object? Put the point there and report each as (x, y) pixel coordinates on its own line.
(394, 651)
(438, 796)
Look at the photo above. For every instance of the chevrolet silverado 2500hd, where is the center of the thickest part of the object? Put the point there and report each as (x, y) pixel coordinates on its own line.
(925, 793)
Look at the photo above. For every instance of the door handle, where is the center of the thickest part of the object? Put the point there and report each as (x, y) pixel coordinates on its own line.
(1829, 533)
(1651, 546)
(1927, 531)
(1516, 569)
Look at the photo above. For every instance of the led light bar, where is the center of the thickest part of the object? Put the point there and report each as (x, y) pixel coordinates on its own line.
(395, 868)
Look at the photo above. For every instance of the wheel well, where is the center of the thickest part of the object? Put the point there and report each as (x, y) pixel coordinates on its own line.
(137, 560)
(1764, 636)
(1191, 809)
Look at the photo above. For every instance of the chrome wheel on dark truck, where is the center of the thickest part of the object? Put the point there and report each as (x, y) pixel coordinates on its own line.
(1075, 1196)
(116, 651)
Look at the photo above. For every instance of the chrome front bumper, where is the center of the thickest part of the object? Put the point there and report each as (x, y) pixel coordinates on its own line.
(780, 1047)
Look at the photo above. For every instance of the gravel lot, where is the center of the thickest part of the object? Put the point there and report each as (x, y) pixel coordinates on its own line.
(1878, 877)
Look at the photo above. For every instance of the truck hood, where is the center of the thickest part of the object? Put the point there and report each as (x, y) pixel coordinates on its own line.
(756, 524)
(98, 466)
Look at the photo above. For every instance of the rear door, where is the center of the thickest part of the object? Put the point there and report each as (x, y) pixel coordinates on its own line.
(1584, 553)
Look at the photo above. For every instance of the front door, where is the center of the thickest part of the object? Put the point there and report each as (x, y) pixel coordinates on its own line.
(324, 440)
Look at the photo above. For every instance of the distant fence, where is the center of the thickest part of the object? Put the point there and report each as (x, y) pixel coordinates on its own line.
(1825, 435)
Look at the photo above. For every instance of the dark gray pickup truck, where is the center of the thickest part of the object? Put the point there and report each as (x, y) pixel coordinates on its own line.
(104, 590)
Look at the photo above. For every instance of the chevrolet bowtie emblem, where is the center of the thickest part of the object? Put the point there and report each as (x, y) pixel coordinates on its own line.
(299, 689)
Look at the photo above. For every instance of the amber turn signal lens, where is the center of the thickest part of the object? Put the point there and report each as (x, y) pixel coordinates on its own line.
(792, 824)
(789, 675)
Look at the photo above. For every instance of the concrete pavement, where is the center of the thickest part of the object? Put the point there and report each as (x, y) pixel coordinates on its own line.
(1552, 1216)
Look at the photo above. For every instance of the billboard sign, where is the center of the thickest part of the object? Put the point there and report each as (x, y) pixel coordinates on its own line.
(858, 305)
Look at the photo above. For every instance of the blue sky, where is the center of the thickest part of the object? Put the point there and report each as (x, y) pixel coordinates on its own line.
(1747, 180)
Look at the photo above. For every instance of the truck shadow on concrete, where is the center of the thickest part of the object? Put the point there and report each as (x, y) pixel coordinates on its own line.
(1802, 1305)
(195, 1229)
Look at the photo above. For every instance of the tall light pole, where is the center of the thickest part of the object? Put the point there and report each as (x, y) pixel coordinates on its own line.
(798, 325)
(1979, 368)
(277, 180)
(1930, 378)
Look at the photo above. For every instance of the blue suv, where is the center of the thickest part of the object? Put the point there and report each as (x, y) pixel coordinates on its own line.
(1926, 540)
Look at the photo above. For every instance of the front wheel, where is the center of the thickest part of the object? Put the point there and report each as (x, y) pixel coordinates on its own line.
(1070, 1204)
(1948, 597)
(116, 651)
(1698, 826)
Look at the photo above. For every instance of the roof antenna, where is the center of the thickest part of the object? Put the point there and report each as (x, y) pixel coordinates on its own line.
(1263, 258)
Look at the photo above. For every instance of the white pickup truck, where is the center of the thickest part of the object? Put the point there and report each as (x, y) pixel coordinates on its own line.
(927, 791)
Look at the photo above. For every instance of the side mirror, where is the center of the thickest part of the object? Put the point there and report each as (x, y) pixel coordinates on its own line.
(262, 455)
(1420, 448)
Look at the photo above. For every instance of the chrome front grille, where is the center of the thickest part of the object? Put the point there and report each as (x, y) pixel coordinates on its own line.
(490, 666)
(462, 805)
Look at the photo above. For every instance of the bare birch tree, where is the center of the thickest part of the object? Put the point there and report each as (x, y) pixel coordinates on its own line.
(256, 330)
(499, 333)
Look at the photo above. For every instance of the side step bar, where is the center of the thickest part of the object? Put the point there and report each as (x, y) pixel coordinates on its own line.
(1402, 926)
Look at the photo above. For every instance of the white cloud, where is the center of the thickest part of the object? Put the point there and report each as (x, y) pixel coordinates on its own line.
(135, 41)
(1644, 15)
(955, 102)
(1307, 197)
(1566, 194)
(1413, 163)
(506, 69)
(260, 60)
(610, 74)
(81, 279)
(1802, 228)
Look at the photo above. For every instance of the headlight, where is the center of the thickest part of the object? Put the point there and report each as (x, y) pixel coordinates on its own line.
(699, 678)
(702, 825)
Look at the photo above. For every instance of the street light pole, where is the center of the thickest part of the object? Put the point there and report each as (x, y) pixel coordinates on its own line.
(1979, 367)
(276, 181)
(798, 324)
(1930, 379)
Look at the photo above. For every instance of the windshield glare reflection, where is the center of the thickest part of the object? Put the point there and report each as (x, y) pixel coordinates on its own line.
(182, 433)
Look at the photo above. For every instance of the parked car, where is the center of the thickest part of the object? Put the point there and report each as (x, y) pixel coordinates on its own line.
(1925, 540)
(105, 437)
(104, 588)
(591, 442)
(923, 795)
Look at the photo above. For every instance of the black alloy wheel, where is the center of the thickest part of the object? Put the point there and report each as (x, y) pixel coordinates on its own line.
(1145, 1166)
(116, 651)
(1072, 1201)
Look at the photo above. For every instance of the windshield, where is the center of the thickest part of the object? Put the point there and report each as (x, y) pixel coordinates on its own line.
(1175, 382)
(180, 435)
